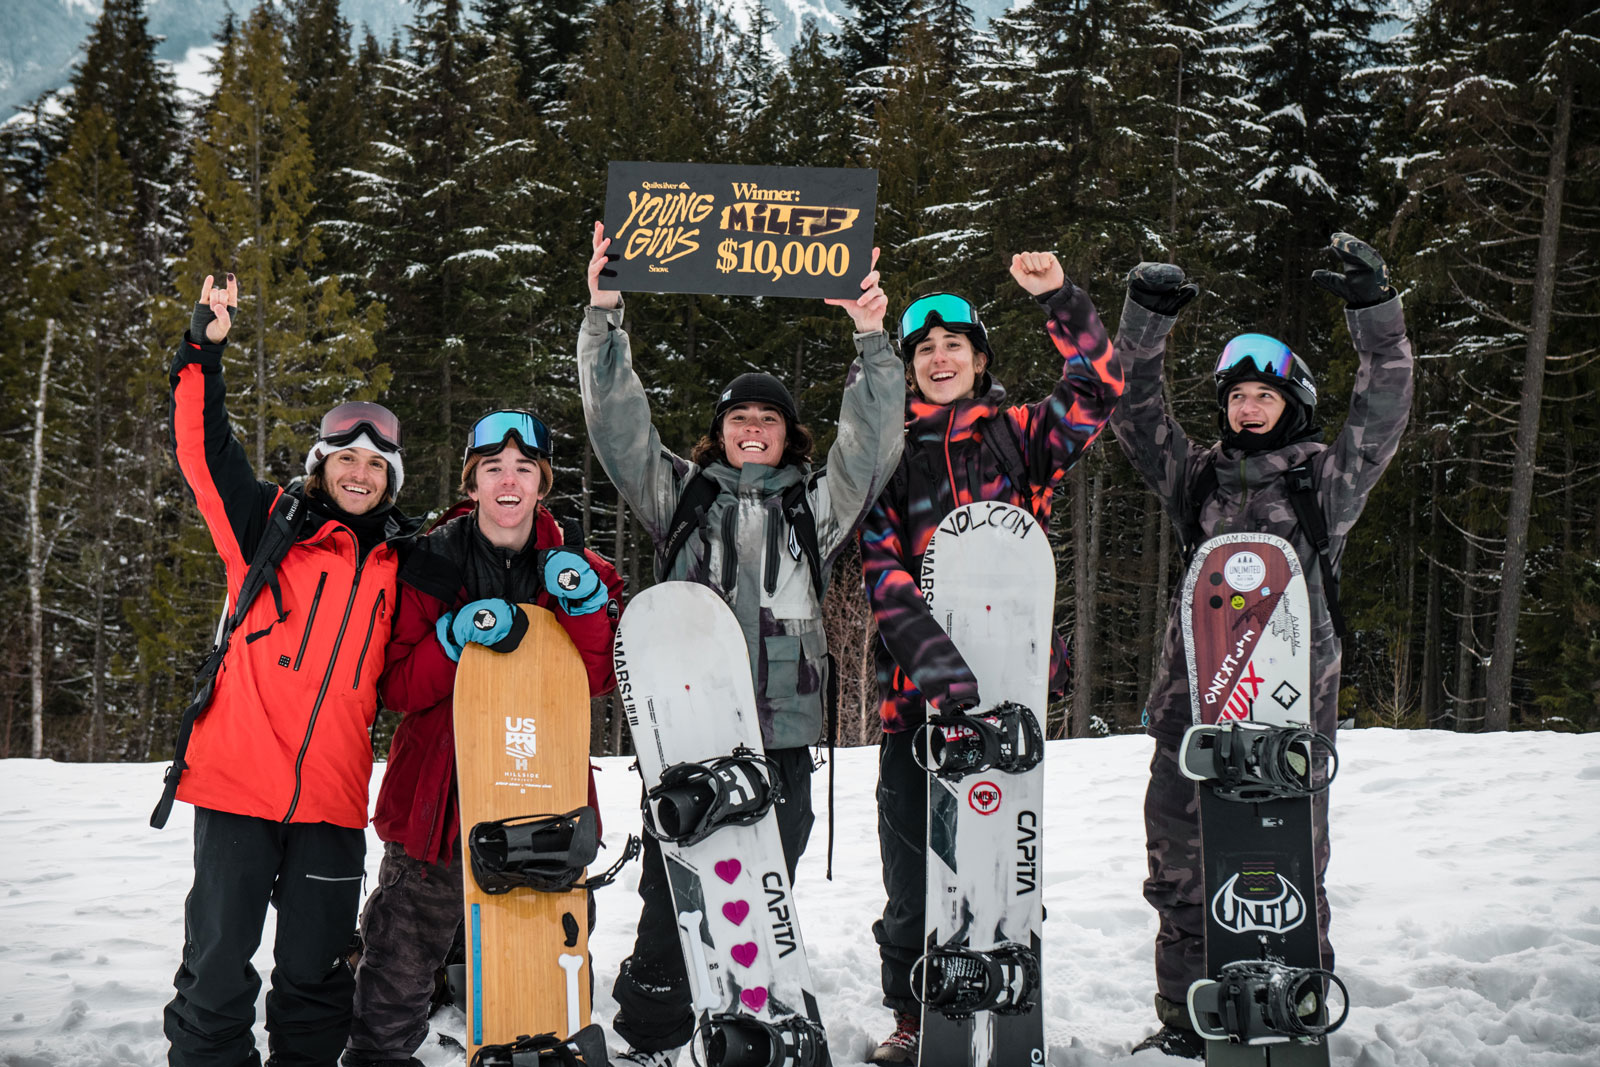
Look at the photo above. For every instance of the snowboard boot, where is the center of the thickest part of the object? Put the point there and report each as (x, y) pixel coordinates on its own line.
(1176, 1036)
(901, 1046)
(634, 1058)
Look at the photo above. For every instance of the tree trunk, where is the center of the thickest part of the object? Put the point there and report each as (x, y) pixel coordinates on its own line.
(1431, 672)
(1144, 664)
(1467, 630)
(1086, 512)
(1497, 710)
(36, 553)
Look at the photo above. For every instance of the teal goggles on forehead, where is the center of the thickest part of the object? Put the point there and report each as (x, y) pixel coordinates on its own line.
(937, 309)
(490, 432)
(1257, 351)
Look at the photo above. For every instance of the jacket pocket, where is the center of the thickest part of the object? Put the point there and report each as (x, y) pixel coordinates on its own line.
(781, 677)
(311, 617)
(372, 623)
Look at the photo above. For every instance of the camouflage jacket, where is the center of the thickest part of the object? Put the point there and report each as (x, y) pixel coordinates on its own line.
(1251, 494)
(744, 549)
(914, 658)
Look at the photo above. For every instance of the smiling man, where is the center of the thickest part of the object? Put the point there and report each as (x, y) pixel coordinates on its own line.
(278, 764)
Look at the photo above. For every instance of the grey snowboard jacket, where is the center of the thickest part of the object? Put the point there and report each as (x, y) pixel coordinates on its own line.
(1251, 494)
(744, 550)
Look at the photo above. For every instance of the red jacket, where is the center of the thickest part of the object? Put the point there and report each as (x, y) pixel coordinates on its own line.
(286, 735)
(417, 801)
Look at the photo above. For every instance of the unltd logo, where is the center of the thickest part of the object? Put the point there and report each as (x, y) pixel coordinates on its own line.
(1258, 900)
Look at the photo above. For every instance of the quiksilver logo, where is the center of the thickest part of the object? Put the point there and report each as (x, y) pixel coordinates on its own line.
(1258, 900)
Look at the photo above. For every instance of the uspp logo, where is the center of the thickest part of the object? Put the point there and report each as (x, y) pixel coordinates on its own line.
(522, 739)
(984, 798)
(485, 619)
(568, 579)
(1258, 900)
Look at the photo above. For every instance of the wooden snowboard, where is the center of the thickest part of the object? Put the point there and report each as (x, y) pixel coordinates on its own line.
(522, 748)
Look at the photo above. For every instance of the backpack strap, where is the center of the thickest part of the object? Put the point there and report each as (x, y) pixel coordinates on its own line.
(797, 510)
(1000, 438)
(283, 529)
(1302, 487)
(687, 517)
(1197, 491)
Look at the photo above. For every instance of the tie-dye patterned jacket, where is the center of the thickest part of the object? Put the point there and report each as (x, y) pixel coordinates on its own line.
(1251, 494)
(915, 660)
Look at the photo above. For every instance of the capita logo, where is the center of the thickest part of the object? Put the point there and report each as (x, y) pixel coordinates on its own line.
(1258, 898)
(521, 741)
(984, 798)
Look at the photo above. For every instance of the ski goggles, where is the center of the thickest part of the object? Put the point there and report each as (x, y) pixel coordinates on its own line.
(1255, 351)
(937, 309)
(350, 420)
(490, 432)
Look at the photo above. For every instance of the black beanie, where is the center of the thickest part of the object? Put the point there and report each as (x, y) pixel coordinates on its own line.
(755, 388)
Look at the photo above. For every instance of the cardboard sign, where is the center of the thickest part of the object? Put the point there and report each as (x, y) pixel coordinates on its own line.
(752, 231)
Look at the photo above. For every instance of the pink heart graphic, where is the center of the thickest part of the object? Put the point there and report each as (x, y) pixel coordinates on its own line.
(754, 999)
(744, 955)
(736, 911)
(728, 870)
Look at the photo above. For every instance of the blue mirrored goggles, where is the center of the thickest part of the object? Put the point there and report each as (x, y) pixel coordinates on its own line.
(947, 308)
(1267, 355)
(490, 432)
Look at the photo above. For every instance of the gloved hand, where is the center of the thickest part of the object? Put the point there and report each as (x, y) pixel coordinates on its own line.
(1161, 287)
(1364, 281)
(492, 623)
(572, 581)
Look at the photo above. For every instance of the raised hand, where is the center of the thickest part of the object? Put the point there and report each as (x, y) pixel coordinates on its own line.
(1038, 272)
(211, 313)
(868, 309)
(1363, 278)
(1161, 287)
(601, 298)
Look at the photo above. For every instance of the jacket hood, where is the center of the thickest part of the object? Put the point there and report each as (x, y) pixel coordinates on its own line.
(927, 420)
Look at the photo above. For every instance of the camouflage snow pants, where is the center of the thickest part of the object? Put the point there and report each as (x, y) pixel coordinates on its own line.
(1176, 887)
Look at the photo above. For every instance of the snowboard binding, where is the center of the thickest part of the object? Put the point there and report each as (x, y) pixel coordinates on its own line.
(734, 1040)
(586, 1048)
(547, 853)
(1263, 1002)
(1252, 762)
(694, 800)
(1004, 738)
(962, 981)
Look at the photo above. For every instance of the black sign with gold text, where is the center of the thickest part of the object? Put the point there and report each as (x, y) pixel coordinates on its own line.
(714, 228)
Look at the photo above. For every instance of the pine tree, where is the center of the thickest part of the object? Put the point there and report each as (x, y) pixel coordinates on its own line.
(872, 32)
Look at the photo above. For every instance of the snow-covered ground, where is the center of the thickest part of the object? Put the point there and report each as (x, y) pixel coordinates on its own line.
(1465, 886)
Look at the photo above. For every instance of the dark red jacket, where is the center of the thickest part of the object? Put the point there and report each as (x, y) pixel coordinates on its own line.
(286, 734)
(417, 801)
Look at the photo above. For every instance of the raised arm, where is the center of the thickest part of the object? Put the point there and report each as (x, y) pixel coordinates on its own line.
(1057, 429)
(616, 411)
(1150, 437)
(233, 504)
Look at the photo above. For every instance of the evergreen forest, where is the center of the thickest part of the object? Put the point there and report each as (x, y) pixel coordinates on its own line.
(409, 221)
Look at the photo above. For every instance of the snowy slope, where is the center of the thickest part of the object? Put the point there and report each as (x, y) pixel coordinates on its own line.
(1465, 883)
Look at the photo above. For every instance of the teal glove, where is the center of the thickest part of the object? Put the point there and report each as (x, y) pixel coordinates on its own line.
(570, 579)
(493, 623)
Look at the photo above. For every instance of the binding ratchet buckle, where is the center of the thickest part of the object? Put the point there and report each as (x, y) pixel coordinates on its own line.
(1260, 1002)
(586, 1048)
(543, 852)
(1004, 738)
(1252, 762)
(735, 1040)
(694, 800)
(962, 981)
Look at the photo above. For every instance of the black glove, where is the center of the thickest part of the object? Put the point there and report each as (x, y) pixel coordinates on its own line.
(1364, 282)
(1161, 287)
(203, 316)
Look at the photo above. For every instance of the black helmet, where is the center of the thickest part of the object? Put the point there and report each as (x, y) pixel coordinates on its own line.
(1255, 357)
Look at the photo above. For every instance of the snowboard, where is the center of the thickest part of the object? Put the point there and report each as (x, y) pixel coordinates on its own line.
(988, 577)
(1246, 632)
(522, 749)
(684, 680)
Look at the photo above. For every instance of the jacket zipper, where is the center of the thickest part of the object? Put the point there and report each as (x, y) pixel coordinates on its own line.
(769, 578)
(730, 549)
(955, 496)
(327, 676)
(372, 623)
(311, 618)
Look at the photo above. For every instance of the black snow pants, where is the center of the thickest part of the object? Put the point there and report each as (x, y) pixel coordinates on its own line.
(902, 842)
(652, 990)
(311, 872)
